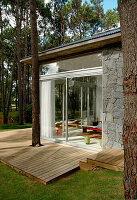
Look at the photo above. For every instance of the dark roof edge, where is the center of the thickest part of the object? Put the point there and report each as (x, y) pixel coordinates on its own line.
(97, 35)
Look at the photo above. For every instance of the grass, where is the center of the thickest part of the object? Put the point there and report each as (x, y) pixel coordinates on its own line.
(100, 184)
(8, 127)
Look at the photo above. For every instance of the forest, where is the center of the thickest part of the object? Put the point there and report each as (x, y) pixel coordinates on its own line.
(58, 22)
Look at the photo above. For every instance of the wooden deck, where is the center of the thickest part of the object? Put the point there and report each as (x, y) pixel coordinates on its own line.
(50, 161)
(43, 163)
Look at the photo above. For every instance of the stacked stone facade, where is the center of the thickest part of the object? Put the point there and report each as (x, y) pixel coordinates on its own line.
(113, 97)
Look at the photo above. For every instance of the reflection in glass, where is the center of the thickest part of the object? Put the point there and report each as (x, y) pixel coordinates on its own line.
(60, 95)
(84, 103)
(83, 62)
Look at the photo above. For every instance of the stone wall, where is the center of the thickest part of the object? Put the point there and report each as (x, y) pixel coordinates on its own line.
(113, 110)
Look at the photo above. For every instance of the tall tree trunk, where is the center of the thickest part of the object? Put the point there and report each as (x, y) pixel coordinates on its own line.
(16, 92)
(35, 75)
(24, 92)
(5, 120)
(128, 19)
(28, 85)
(99, 13)
(78, 19)
(8, 96)
(62, 22)
(25, 65)
(6, 88)
(20, 96)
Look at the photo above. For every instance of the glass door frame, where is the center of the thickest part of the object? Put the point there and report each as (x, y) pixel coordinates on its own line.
(96, 71)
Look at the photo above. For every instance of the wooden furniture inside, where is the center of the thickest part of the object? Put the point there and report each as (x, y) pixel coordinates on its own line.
(93, 128)
(74, 123)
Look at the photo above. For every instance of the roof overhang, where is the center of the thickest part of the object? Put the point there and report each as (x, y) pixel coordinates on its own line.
(75, 49)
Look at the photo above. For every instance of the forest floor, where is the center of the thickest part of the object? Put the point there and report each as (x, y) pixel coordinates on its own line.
(100, 184)
(9, 127)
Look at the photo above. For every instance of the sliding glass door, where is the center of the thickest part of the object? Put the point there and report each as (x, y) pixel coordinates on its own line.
(84, 103)
(69, 102)
(60, 108)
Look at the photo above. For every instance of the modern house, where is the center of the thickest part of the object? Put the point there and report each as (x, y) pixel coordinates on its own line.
(81, 90)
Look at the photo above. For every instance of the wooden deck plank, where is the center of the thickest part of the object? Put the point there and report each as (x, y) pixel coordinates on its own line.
(54, 165)
(64, 170)
(55, 157)
(121, 164)
(116, 156)
(104, 156)
(61, 170)
(117, 160)
(43, 155)
(71, 167)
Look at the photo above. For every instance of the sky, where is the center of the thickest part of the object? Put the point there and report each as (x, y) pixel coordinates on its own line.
(108, 4)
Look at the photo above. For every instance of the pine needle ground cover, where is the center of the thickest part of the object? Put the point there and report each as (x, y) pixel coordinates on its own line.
(9, 127)
(100, 184)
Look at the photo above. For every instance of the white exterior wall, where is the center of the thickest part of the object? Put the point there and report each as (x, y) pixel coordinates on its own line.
(47, 108)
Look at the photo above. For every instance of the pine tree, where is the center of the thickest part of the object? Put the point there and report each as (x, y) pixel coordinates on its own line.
(35, 76)
(128, 20)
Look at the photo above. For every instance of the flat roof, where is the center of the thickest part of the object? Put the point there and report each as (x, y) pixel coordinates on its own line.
(80, 47)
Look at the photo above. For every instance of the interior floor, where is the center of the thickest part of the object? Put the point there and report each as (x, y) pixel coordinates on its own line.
(76, 138)
(78, 141)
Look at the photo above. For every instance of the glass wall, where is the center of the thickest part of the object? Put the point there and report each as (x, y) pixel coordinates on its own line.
(72, 99)
(69, 104)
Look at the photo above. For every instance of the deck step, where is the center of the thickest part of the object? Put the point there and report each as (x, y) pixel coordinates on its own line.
(104, 165)
(86, 166)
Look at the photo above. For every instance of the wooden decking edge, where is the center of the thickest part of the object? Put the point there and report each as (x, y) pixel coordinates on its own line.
(105, 165)
(23, 172)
